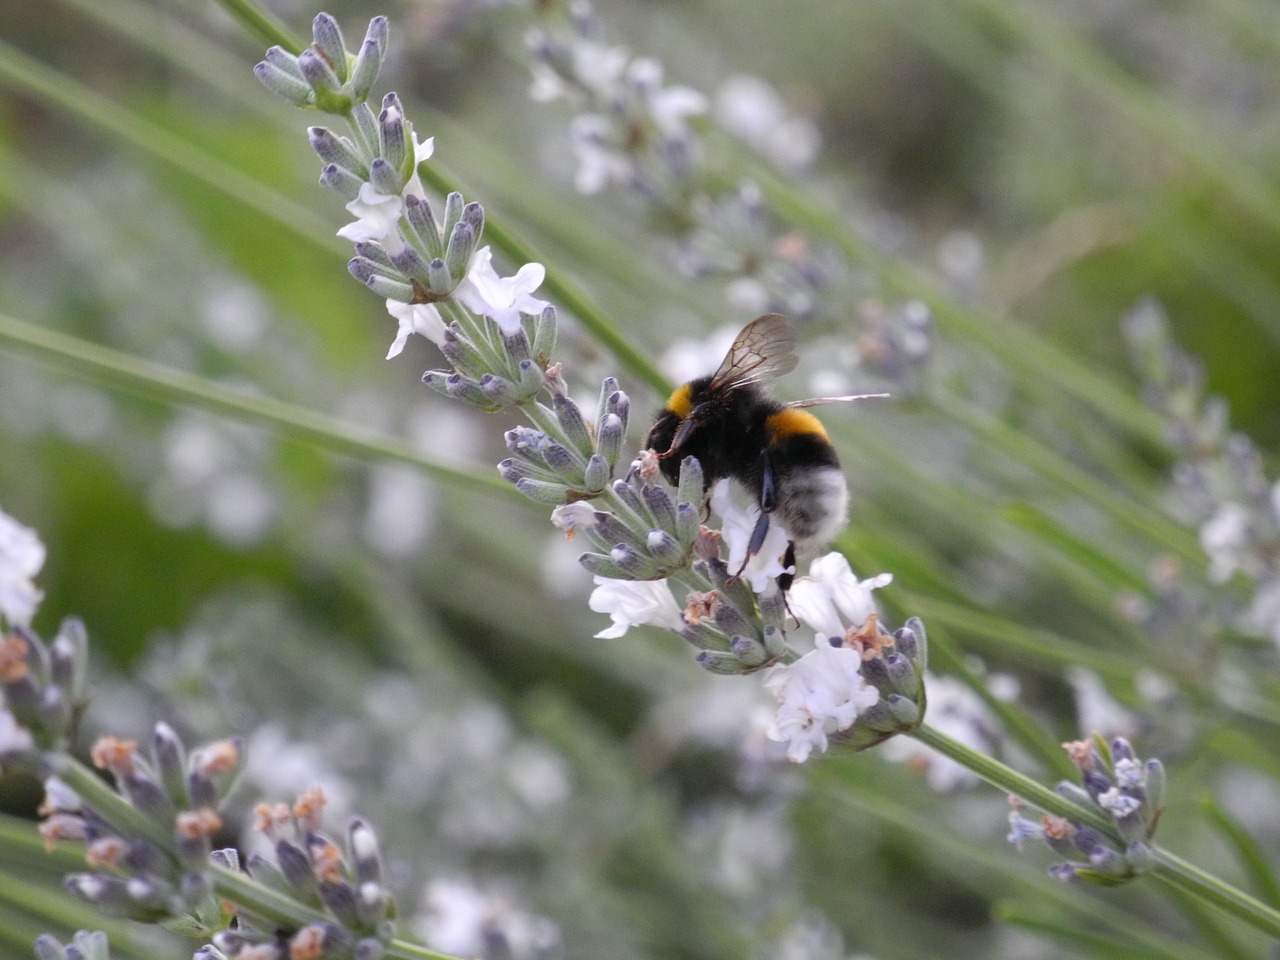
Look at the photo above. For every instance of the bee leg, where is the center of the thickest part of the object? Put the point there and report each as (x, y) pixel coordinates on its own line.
(768, 500)
(789, 563)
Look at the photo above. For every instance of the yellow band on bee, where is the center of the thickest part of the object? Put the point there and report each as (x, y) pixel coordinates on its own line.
(787, 423)
(680, 404)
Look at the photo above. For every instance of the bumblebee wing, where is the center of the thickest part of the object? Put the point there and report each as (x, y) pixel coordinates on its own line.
(763, 350)
(819, 401)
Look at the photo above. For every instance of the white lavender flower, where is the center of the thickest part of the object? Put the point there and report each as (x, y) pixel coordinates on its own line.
(819, 695)
(830, 598)
(21, 557)
(632, 603)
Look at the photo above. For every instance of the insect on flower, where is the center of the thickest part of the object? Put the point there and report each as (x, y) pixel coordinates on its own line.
(779, 451)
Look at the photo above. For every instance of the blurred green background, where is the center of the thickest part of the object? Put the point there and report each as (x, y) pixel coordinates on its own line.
(1031, 169)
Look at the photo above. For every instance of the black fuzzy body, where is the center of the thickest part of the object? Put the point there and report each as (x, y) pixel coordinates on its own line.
(742, 434)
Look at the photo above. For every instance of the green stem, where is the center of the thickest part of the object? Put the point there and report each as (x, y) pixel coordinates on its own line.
(156, 382)
(1171, 869)
(1190, 879)
(263, 26)
(1008, 780)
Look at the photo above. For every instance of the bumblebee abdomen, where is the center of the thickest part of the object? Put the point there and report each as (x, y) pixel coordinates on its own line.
(791, 422)
(813, 498)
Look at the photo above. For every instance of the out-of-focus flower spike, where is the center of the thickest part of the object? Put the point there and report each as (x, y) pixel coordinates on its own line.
(1155, 783)
(328, 40)
(69, 659)
(366, 857)
(340, 900)
(269, 874)
(146, 793)
(54, 709)
(169, 756)
(296, 867)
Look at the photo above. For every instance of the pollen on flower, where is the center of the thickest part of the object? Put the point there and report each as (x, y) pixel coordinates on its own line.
(706, 545)
(1057, 828)
(61, 826)
(112, 753)
(648, 465)
(553, 380)
(106, 852)
(271, 818)
(198, 824)
(220, 757)
(1081, 753)
(308, 806)
(13, 659)
(699, 605)
(326, 860)
(307, 944)
(868, 640)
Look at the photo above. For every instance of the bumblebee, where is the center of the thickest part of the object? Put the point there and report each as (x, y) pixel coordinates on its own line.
(779, 451)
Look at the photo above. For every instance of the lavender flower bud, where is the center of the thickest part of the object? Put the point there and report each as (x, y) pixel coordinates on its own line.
(423, 227)
(283, 83)
(553, 493)
(595, 478)
(572, 423)
(749, 650)
(385, 178)
(328, 41)
(318, 72)
(544, 334)
(169, 756)
(342, 181)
